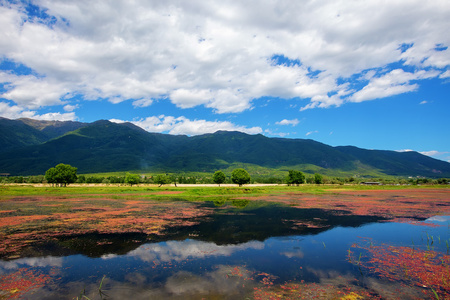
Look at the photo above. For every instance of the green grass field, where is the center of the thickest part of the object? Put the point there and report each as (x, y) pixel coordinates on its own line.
(7, 190)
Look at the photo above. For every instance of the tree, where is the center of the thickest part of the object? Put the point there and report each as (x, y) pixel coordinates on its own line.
(318, 179)
(161, 179)
(240, 176)
(295, 177)
(62, 174)
(132, 179)
(219, 177)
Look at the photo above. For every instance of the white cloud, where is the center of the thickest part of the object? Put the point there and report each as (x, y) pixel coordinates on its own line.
(182, 125)
(70, 108)
(218, 53)
(432, 153)
(142, 102)
(275, 133)
(16, 112)
(311, 132)
(393, 83)
(423, 102)
(293, 122)
(446, 74)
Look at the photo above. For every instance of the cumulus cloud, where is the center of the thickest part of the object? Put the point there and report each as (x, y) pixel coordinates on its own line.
(293, 122)
(183, 125)
(16, 112)
(220, 54)
(70, 108)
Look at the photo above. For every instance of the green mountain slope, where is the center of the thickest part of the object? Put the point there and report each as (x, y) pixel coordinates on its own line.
(99, 147)
(15, 134)
(103, 146)
(399, 163)
(214, 151)
(53, 129)
(25, 132)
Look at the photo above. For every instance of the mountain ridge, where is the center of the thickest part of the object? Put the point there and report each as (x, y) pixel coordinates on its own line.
(104, 146)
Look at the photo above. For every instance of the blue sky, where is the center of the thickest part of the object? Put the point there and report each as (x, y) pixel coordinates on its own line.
(364, 73)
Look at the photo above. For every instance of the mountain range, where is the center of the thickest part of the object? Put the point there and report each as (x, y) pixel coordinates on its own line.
(30, 147)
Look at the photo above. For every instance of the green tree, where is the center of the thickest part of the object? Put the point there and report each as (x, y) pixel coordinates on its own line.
(295, 177)
(81, 179)
(240, 176)
(62, 174)
(132, 179)
(318, 179)
(161, 179)
(219, 177)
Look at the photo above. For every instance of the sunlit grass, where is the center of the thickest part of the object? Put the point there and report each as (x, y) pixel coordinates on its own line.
(187, 191)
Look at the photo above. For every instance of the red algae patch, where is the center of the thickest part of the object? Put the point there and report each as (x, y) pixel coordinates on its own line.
(426, 269)
(311, 291)
(389, 204)
(19, 220)
(66, 217)
(20, 282)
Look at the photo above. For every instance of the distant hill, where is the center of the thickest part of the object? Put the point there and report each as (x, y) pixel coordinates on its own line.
(31, 147)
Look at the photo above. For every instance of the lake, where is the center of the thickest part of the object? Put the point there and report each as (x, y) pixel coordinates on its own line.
(288, 246)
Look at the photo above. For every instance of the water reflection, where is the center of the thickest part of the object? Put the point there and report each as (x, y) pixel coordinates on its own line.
(188, 249)
(238, 249)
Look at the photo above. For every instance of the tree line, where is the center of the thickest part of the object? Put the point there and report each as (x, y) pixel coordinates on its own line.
(63, 174)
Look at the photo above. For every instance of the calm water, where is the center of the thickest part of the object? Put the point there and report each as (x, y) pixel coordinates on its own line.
(228, 255)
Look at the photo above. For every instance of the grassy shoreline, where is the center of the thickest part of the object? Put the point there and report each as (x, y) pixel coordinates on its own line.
(186, 190)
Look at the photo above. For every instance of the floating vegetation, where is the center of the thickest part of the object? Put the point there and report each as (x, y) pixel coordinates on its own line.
(42, 219)
(427, 269)
(395, 205)
(156, 245)
(20, 282)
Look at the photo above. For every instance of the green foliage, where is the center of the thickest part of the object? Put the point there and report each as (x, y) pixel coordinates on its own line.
(240, 203)
(240, 176)
(295, 177)
(62, 174)
(318, 179)
(219, 177)
(132, 179)
(161, 179)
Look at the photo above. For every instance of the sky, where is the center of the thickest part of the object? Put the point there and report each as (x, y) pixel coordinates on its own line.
(372, 74)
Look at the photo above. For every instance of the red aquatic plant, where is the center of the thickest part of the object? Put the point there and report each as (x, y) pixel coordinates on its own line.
(20, 282)
(46, 218)
(389, 204)
(415, 267)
